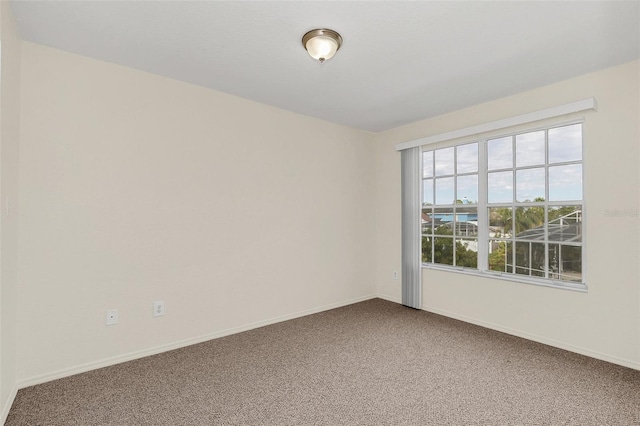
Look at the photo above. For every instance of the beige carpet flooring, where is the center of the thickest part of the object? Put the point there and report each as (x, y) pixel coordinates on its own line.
(371, 363)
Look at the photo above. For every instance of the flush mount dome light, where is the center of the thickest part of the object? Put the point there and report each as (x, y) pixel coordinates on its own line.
(322, 44)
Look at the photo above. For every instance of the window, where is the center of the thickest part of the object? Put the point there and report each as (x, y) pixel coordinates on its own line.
(510, 205)
(450, 206)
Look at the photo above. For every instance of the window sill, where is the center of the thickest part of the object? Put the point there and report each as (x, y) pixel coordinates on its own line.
(579, 287)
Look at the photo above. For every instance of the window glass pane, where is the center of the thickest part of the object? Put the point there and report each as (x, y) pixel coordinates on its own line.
(500, 222)
(530, 149)
(565, 144)
(565, 223)
(565, 182)
(443, 220)
(467, 190)
(427, 164)
(444, 161)
(427, 221)
(427, 192)
(529, 223)
(467, 221)
(530, 259)
(500, 188)
(500, 256)
(530, 185)
(427, 249)
(444, 191)
(467, 252)
(565, 262)
(467, 158)
(500, 153)
(443, 251)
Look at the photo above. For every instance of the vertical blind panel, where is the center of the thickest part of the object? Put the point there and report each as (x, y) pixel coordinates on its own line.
(411, 265)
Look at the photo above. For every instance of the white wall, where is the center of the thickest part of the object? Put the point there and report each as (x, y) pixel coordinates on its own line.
(605, 322)
(9, 138)
(137, 188)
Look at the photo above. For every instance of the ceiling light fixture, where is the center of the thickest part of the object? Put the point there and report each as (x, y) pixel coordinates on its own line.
(322, 44)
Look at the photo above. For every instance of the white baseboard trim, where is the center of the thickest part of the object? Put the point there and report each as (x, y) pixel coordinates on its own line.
(389, 298)
(105, 362)
(7, 405)
(35, 380)
(551, 342)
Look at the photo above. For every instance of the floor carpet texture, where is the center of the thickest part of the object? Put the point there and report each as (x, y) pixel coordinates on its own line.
(370, 363)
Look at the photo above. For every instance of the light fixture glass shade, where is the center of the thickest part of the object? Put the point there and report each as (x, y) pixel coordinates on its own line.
(322, 44)
(322, 48)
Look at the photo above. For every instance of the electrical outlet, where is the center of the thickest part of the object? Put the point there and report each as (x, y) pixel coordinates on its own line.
(158, 308)
(395, 275)
(112, 316)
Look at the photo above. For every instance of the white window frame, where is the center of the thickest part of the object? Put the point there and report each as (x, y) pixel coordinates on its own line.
(552, 113)
(483, 205)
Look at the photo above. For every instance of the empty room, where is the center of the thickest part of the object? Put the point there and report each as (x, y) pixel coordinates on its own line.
(319, 212)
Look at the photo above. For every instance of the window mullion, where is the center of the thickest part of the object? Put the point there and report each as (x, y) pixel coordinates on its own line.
(514, 206)
(546, 204)
(483, 216)
(455, 198)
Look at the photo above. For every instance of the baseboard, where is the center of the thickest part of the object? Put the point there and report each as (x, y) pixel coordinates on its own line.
(191, 341)
(7, 405)
(551, 342)
(105, 362)
(389, 298)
